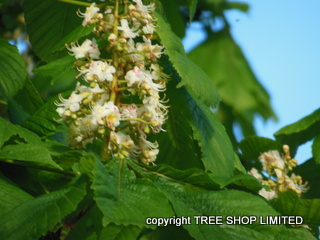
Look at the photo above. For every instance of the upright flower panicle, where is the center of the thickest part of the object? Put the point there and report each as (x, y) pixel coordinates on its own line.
(277, 180)
(101, 106)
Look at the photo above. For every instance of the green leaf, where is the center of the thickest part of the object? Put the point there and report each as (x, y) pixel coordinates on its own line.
(174, 17)
(237, 5)
(192, 8)
(28, 98)
(177, 145)
(300, 132)
(221, 203)
(12, 69)
(195, 80)
(206, 132)
(116, 232)
(8, 130)
(192, 176)
(65, 156)
(33, 154)
(170, 232)
(35, 217)
(217, 151)
(73, 36)
(45, 120)
(290, 204)
(192, 125)
(49, 22)
(120, 197)
(58, 69)
(316, 149)
(89, 227)
(245, 181)
(222, 59)
(299, 233)
(252, 147)
(11, 196)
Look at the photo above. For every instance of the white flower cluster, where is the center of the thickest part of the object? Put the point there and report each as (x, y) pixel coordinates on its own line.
(277, 180)
(119, 97)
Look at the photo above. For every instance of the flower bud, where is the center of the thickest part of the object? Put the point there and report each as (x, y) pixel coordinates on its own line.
(67, 113)
(101, 131)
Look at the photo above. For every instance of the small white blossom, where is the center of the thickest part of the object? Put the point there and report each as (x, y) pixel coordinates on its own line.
(135, 75)
(295, 185)
(127, 32)
(72, 103)
(123, 141)
(272, 159)
(153, 51)
(144, 8)
(102, 70)
(108, 113)
(89, 14)
(87, 124)
(134, 55)
(254, 172)
(129, 112)
(268, 194)
(87, 49)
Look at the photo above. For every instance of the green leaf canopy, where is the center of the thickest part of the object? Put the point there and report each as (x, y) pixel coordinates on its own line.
(12, 69)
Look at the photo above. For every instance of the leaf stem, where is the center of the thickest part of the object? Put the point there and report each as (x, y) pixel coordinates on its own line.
(76, 2)
(136, 119)
(48, 169)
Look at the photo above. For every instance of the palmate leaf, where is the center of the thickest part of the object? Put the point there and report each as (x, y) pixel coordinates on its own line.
(222, 59)
(177, 145)
(170, 232)
(174, 17)
(193, 133)
(192, 176)
(182, 151)
(290, 234)
(49, 22)
(217, 151)
(243, 181)
(28, 98)
(89, 227)
(12, 69)
(290, 204)
(300, 132)
(29, 154)
(195, 80)
(223, 203)
(125, 200)
(11, 195)
(120, 232)
(252, 147)
(8, 130)
(35, 217)
(58, 69)
(45, 121)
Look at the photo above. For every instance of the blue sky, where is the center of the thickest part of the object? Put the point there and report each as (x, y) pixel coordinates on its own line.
(281, 40)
